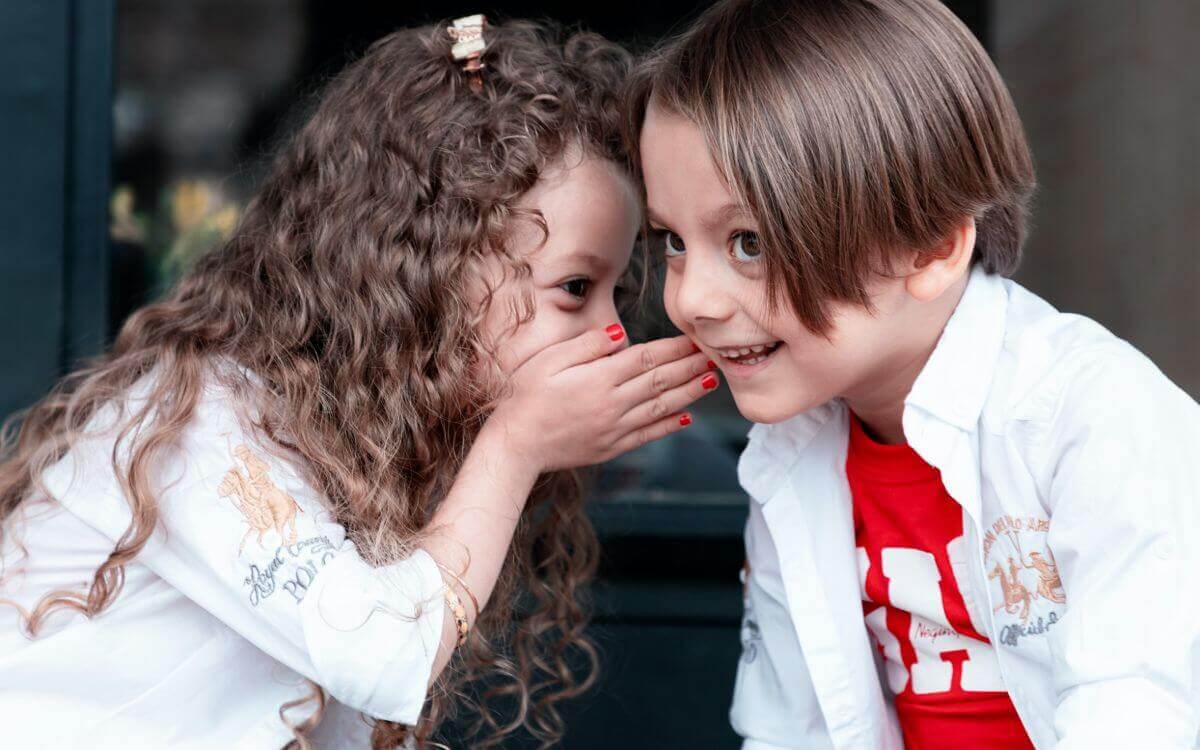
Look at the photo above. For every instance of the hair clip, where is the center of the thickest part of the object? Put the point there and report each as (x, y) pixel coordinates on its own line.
(469, 44)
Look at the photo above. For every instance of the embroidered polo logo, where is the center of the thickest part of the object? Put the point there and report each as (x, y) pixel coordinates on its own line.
(1023, 564)
(261, 503)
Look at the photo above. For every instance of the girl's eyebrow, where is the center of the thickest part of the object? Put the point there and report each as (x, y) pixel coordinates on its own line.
(598, 262)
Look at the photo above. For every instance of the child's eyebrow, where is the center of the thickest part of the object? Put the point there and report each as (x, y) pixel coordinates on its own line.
(724, 215)
(599, 262)
(714, 220)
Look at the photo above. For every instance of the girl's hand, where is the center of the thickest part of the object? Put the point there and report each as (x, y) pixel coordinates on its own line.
(589, 399)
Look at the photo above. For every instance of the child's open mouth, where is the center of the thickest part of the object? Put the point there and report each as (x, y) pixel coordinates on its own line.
(749, 355)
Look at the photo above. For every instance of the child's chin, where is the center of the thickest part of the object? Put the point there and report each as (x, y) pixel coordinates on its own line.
(762, 409)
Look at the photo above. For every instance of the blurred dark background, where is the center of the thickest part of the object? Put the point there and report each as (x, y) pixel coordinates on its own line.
(133, 131)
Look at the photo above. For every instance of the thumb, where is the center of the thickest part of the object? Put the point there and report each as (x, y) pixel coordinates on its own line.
(586, 347)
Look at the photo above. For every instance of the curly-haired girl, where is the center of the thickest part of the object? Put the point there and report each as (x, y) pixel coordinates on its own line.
(336, 458)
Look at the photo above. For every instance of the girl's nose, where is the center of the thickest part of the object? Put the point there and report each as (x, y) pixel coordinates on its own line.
(698, 292)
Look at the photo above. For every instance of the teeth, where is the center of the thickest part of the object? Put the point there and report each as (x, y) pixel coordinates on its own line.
(739, 353)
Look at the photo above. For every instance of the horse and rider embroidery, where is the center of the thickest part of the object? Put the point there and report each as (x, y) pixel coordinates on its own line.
(1017, 597)
(264, 505)
(1050, 584)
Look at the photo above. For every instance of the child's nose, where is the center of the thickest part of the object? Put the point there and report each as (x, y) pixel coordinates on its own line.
(603, 316)
(699, 293)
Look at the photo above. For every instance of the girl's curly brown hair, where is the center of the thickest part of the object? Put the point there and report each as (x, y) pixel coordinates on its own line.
(347, 290)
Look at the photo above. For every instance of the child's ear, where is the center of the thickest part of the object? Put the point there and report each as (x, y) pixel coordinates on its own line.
(938, 268)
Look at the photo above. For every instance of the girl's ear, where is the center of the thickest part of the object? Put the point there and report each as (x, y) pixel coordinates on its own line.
(938, 268)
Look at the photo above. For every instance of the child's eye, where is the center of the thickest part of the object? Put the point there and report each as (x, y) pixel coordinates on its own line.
(672, 244)
(577, 288)
(745, 246)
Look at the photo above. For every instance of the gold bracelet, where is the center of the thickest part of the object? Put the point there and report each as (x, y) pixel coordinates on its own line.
(460, 615)
(462, 584)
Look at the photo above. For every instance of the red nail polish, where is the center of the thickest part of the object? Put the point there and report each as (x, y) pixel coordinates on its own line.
(685, 419)
(709, 382)
(712, 365)
(615, 332)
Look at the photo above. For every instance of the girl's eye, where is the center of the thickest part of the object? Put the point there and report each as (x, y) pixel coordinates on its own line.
(672, 244)
(577, 288)
(745, 246)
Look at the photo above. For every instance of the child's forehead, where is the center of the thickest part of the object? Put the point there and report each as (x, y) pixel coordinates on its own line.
(683, 182)
(589, 211)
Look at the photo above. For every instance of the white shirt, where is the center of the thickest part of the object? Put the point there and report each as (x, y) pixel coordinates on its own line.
(247, 588)
(1057, 438)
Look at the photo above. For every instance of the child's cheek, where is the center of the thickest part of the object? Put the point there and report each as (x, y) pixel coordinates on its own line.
(516, 349)
(669, 292)
(547, 328)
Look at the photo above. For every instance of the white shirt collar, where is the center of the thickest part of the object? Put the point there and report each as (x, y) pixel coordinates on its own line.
(952, 387)
(954, 384)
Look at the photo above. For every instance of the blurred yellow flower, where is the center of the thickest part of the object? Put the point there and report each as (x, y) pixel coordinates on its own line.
(121, 204)
(189, 204)
(225, 220)
(124, 226)
(193, 216)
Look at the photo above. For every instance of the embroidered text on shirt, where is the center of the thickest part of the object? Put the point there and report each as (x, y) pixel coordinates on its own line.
(304, 559)
(1011, 635)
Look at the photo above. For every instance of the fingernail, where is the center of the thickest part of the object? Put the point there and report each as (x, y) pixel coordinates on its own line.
(685, 419)
(712, 365)
(709, 382)
(615, 332)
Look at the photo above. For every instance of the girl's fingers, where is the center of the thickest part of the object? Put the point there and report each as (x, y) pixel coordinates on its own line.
(671, 401)
(654, 431)
(585, 347)
(644, 358)
(663, 378)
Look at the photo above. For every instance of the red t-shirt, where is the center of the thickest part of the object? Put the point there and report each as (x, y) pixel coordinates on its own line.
(942, 671)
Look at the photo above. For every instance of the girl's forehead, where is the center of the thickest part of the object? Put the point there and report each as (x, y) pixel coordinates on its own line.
(590, 210)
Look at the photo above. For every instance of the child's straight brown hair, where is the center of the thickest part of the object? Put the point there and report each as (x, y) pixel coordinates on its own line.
(853, 130)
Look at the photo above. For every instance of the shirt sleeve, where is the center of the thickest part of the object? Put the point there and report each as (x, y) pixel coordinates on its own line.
(1125, 532)
(242, 535)
(774, 702)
